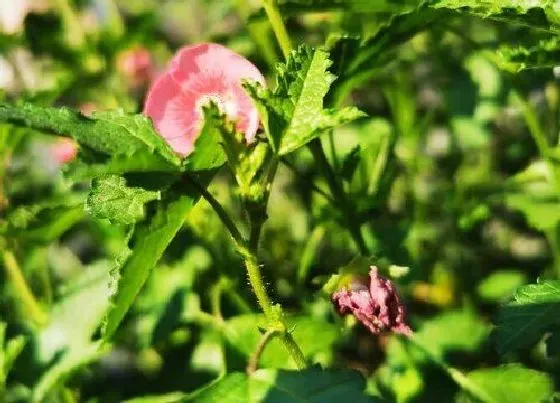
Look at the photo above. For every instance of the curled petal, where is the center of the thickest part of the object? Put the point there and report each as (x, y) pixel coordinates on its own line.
(377, 305)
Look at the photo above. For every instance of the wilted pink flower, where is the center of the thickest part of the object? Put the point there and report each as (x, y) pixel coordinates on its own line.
(136, 65)
(378, 307)
(64, 150)
(197, 75)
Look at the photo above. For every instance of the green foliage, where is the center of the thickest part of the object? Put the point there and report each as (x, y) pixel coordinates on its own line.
(533, 311)
(112, 199)
(293, 113)
(452, 189)
(207, 152)
(509, 383)
(243, 334)
(9, 351)
(278, 385)
(112, 133)
(500, 285)
(452, 331)
(544, 54)
(150, 238)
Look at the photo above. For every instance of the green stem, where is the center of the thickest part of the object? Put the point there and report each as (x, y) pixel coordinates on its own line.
(22, 290)
(217, 207)
(254, 360)
(275, 320)
(255, 278)
(338, 194)
(215, 300)
(248, 250)
(294, 350)
(278, 26)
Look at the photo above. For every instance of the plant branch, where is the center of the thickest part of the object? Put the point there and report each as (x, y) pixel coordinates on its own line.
(220, 211)
(22, 290)
(294, 350)
(338, 194)
(278, 26)
(255, 357)
(255, 278)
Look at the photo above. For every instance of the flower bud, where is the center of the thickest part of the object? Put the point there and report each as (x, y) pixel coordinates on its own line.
(376, 305)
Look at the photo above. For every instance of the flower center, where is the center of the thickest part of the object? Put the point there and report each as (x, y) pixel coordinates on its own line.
(226, 104)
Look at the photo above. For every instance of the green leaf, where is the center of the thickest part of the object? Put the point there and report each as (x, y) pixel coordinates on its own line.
(112, 199)
(509, 383)
(243, 334)
(150, 240)
(500, 285)
(377, 51)
(289, 7)
(309, 385)
(523, 321)
(208, 152)
(246, 161)
(111, 133)
(543, 14)
(451, 332)
(49, 224)
(543, 54)
(293, 112)
(542, 212)
(23, 217)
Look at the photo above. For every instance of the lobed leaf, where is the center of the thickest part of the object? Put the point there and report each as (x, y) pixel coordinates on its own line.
(111, 198)
(293, 113)
(112, 133)
(150, 239)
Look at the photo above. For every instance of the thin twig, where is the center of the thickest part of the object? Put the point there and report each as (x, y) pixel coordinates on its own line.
(255, 357)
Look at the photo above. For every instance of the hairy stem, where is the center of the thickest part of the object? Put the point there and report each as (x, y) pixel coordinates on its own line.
(294, 350)
(255, 278)
(22, 290)
(248, 250)
(278, 26)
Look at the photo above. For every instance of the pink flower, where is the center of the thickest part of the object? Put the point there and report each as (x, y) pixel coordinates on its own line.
(197, 75)
(378, 307)
(64, 150)
(87, 108)
(136, 65)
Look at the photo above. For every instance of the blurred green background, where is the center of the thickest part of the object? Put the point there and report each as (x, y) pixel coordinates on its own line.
(448, 177)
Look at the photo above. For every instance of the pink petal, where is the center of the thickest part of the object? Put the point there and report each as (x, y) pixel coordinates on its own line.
(172, 114)
(196, 75)
(64, 150)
